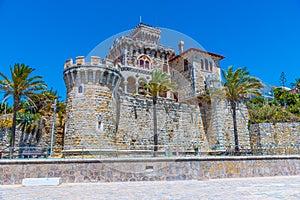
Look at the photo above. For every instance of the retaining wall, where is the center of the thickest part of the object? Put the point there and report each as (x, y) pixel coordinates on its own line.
(148, 169)
(279, 138)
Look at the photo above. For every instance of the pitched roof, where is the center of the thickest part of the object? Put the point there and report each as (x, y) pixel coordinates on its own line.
(197, 50)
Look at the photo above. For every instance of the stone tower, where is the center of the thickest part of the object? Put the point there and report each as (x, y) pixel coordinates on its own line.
(91, 103)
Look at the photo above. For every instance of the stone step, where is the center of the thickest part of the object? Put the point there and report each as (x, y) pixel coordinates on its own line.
(41, 181)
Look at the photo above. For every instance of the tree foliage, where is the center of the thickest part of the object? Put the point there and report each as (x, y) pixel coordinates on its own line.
(285, 107)
(262, 111)
(21, 85)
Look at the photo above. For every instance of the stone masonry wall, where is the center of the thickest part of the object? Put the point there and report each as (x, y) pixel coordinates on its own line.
(141, 169)
(218, 122)
(91, 117)
(279, 138)
(180, 126)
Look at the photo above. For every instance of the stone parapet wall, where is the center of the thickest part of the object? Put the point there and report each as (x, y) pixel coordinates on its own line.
(148, 169)
(279, 138)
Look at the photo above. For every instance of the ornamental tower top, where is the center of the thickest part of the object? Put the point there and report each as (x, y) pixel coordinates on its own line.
(146, 33)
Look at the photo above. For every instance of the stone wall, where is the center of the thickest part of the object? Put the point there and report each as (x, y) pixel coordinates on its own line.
(279, 138)
(180, 126)
(141, 169)
(91, 117)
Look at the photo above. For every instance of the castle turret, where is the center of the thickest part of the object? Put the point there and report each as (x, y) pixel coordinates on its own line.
(91, 103)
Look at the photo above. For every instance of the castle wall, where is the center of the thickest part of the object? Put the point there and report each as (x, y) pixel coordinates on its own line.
(180, 126)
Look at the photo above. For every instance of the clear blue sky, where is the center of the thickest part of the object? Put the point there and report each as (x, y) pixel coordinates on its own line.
(263, 35)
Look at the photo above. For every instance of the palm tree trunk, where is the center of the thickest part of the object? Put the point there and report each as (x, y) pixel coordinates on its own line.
(155, 126)
(235, 131)
(14, 125)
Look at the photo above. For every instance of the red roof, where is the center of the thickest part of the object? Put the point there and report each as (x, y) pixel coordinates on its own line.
(198, 50)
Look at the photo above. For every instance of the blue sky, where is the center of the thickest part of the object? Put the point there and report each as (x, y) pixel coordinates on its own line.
(263, 35)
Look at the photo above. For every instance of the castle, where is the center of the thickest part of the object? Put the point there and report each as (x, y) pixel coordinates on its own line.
(107, 107)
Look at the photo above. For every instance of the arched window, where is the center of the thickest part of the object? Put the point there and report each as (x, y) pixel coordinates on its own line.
(206, 64)
(202, 64)
(210, 66)
(144, 62)
(80, 89)
(147, 64)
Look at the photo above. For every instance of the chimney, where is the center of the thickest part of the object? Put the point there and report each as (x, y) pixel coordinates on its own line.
(180, 46)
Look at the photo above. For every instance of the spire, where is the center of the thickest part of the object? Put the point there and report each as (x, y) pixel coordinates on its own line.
(140, 19)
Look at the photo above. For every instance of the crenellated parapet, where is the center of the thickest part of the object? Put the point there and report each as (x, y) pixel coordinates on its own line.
(94, 61)
(93, 72)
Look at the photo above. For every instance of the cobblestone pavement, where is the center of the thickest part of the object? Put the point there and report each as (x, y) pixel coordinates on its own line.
(246, 188)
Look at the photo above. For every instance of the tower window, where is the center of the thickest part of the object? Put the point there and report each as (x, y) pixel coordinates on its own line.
(185, 65)
(80, 89)
(202, 64)
(210, 66)
(147, 64)
(141, 63)
(206, 64)
(144, 62)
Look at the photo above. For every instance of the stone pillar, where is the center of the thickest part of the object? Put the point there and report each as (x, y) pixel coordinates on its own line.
(86, 75)
(101, 77)
(68, 78)
(94, 76)
(79, 76)
(114, 78)
(72, 75)
(125, 86)
(136, 86)
(108, 78)
(125, 57)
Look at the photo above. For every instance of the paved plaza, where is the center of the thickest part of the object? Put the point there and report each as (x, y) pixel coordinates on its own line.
(246, 188)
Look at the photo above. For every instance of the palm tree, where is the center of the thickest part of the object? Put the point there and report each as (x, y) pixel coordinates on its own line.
(160, 83)
(238, 86)
(21, 85)
(296, 85)
(30, 125)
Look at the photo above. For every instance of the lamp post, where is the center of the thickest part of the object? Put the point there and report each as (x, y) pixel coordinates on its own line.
(53, 124)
